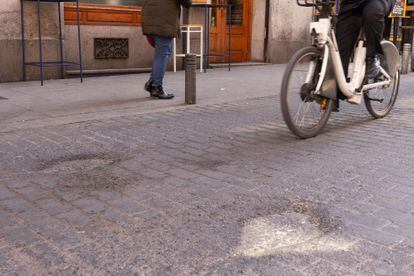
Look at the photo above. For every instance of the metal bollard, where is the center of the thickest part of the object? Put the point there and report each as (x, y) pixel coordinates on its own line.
(412, 59)
(190, 78)
(406, 58)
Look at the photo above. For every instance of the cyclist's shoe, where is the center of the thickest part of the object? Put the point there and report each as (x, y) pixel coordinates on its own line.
(373, 69)
(336, 106)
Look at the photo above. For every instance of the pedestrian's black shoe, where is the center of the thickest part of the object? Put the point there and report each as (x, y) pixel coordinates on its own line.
(158, 92)
(373, 69)
(148, 85)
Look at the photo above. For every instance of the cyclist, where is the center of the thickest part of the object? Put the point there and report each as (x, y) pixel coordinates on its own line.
(355, 14)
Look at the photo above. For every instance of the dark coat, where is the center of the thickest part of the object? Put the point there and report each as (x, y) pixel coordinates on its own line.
(352, 4)
(162, 17)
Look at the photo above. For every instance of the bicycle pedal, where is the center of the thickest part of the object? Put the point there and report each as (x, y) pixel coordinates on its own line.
(375, 100)
(356, 99)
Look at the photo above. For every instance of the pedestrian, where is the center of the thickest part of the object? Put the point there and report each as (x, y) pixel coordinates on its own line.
(160, 23)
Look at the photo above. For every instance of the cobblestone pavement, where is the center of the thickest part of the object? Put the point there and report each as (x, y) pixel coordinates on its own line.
(223, 189)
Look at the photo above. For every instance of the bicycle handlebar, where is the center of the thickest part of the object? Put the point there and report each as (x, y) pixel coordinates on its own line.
(315, 3)
(305, 3)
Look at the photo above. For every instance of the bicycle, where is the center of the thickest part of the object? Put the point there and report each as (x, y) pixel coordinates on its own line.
(321, 73)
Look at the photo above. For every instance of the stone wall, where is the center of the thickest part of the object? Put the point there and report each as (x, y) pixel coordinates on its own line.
(258, 31)
(140, 52)
(289, 25)
(10, 39)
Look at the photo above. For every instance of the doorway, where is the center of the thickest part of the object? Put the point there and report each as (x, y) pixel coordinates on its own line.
(241, 18)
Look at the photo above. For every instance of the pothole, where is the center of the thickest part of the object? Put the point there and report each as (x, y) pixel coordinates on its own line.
(3, 98)
(100, 179)
(76, 163)
(86, 172)
(300, 227)
(277, 232)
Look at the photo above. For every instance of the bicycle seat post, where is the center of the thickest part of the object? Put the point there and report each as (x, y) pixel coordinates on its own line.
(326, 10)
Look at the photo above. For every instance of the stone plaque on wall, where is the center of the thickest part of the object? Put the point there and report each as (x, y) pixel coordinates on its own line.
(111, 48)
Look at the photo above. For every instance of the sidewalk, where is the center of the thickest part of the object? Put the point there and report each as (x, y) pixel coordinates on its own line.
(67, 101)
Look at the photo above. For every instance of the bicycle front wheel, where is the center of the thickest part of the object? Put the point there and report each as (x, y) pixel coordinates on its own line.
(304, 112)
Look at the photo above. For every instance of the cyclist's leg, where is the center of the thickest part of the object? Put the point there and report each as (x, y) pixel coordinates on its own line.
(347, 32)
(374, 13)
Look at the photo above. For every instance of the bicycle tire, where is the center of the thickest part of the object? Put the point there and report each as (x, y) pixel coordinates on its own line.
(303, 133)
(381, 114)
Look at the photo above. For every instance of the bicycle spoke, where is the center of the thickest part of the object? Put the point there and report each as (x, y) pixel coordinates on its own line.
(298, 112)
(304, 114)
(315, 112)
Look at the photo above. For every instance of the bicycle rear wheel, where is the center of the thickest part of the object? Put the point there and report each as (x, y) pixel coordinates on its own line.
(380, 101)
(304, 112)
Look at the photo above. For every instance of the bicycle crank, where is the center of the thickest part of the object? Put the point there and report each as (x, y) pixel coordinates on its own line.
(376, 100)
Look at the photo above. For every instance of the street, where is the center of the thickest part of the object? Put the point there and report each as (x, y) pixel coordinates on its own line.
(220, 188)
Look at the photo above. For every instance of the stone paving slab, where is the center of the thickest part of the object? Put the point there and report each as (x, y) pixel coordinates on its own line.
(29, 105)
(216, 189)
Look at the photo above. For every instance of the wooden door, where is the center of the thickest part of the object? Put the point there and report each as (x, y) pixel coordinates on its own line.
(241, 17)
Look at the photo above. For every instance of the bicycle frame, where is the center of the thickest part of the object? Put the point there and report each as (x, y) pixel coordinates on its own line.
(325, 38)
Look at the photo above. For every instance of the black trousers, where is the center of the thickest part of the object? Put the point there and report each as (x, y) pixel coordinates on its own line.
(355, 14)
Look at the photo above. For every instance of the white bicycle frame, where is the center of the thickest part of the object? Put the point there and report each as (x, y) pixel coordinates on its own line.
(354, 89)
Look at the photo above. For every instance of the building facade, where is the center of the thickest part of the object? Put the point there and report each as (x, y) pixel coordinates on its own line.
(112, 40)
